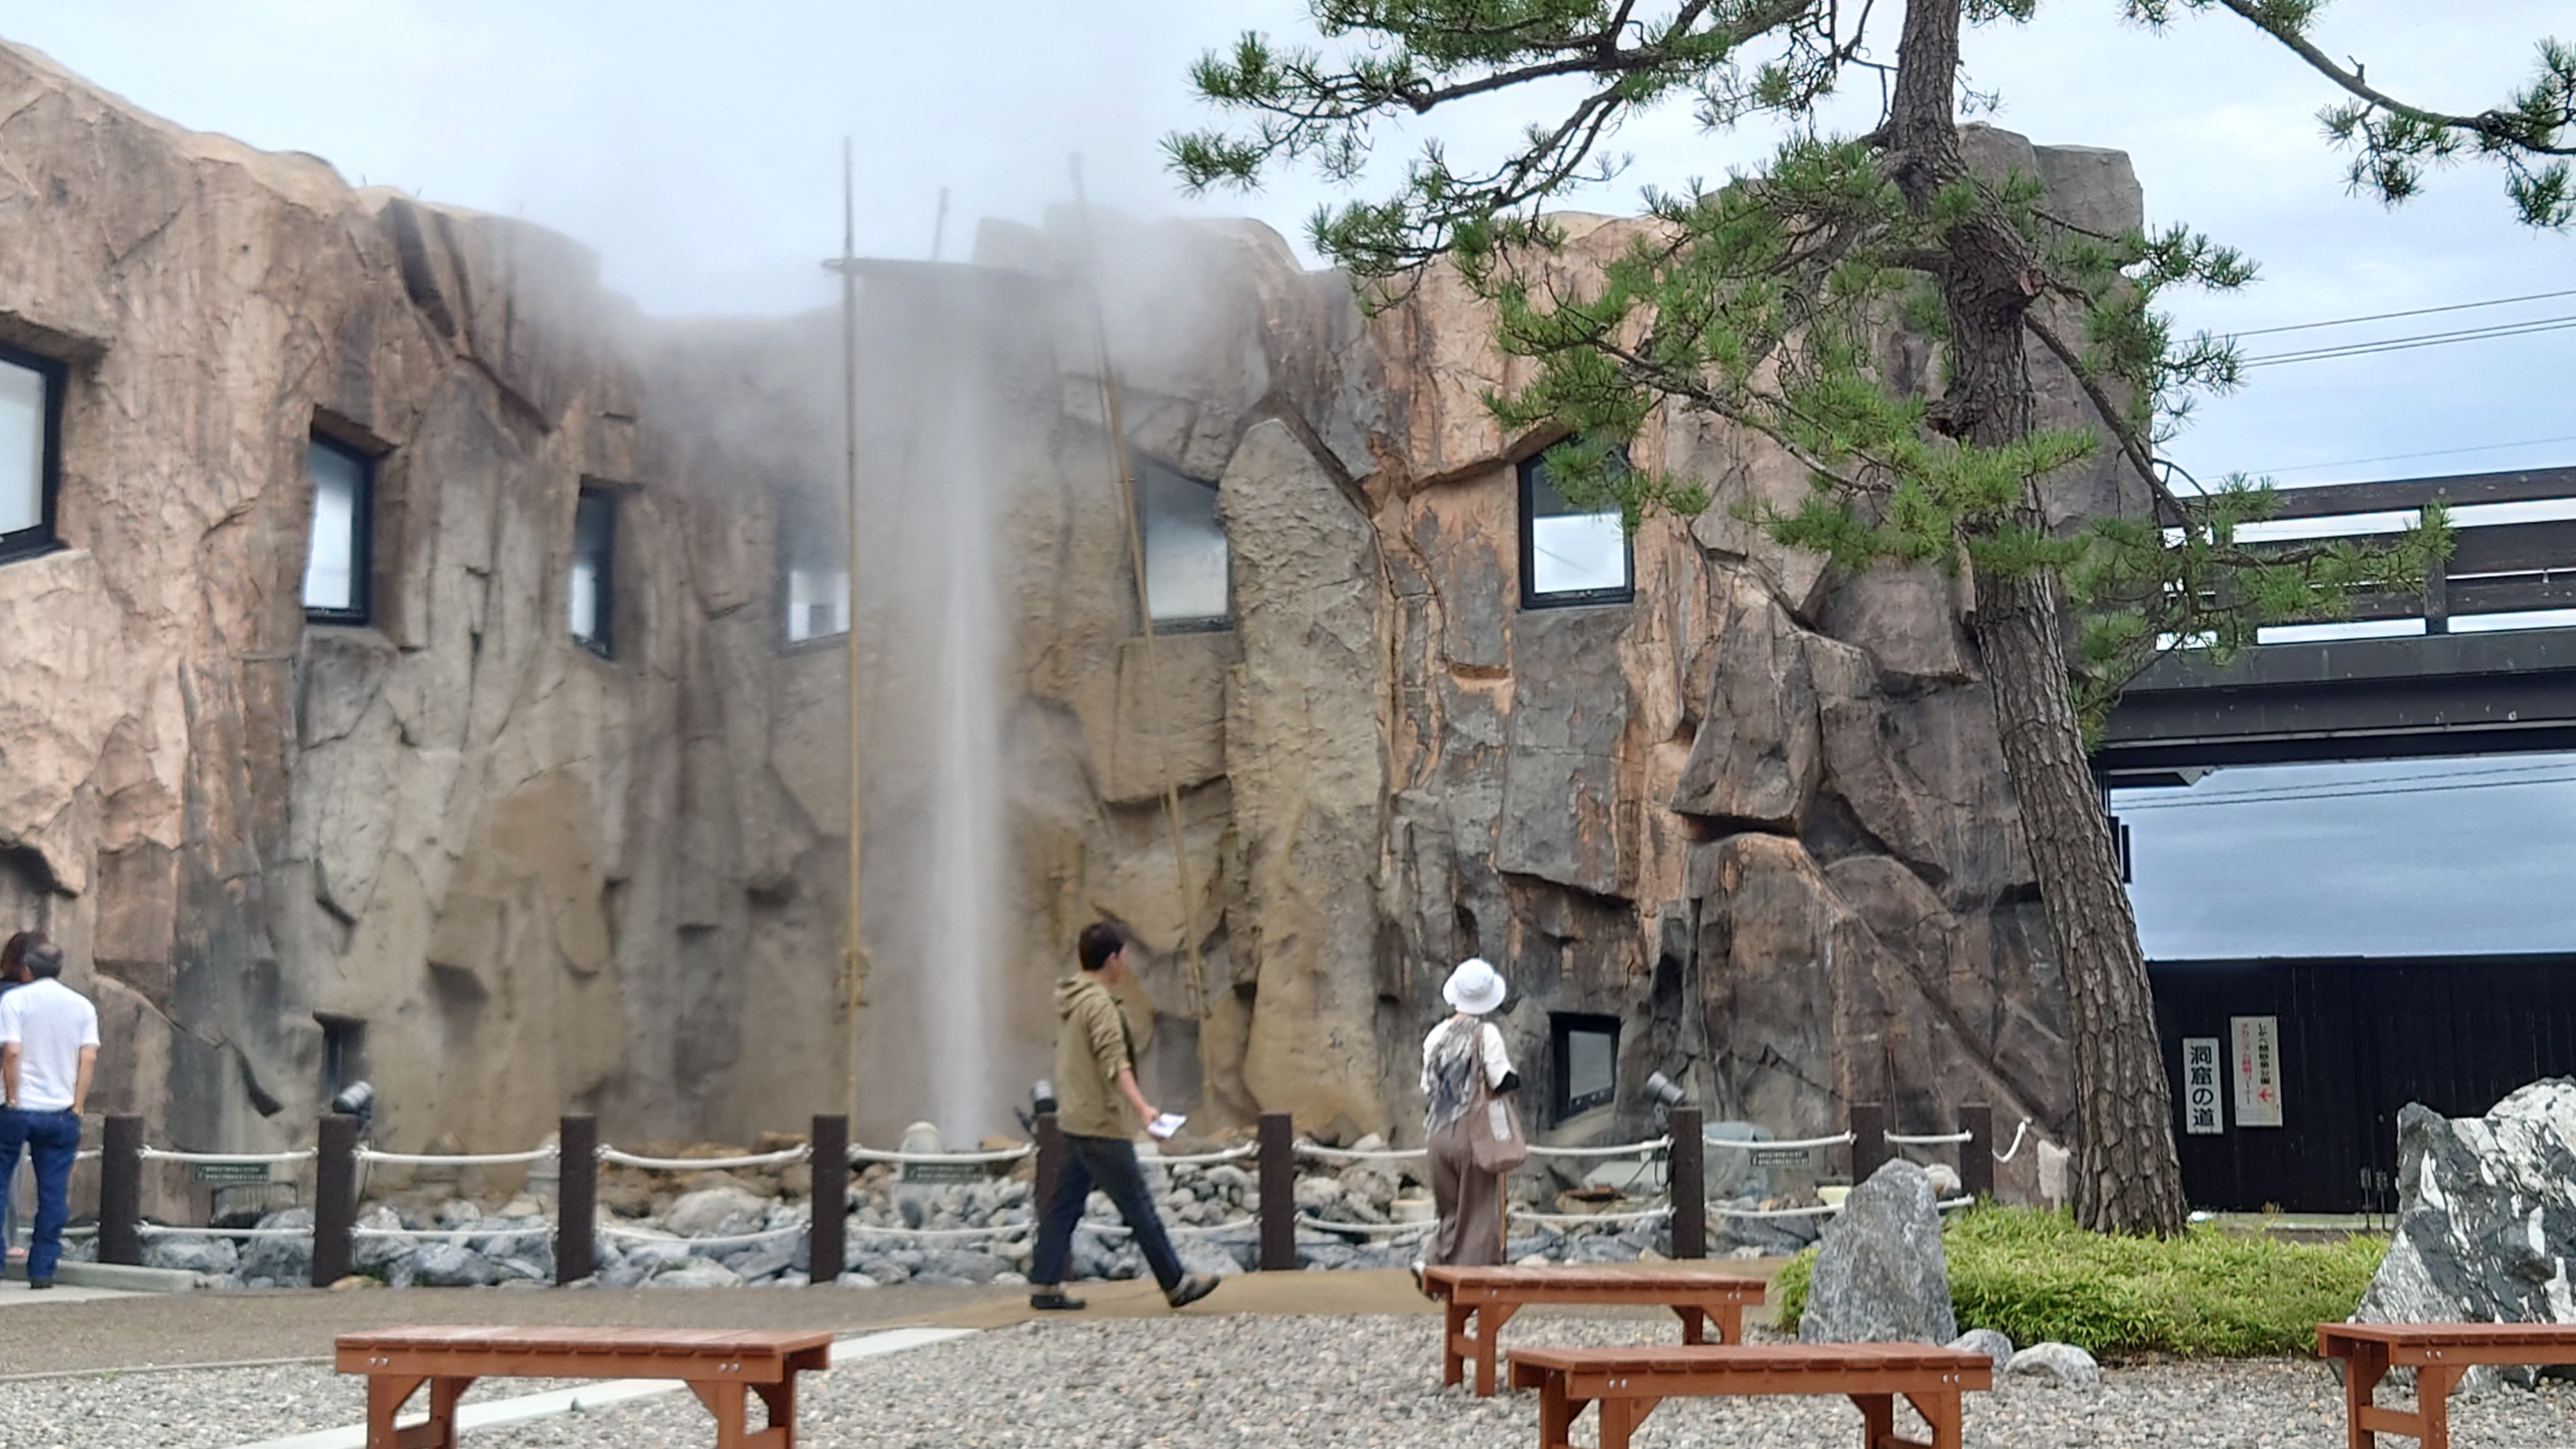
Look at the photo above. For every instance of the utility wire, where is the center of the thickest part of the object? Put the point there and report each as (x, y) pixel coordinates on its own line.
(2346, 794)
(2392, 316)
(2403, 344)
(2406, 457)
(2254, 792)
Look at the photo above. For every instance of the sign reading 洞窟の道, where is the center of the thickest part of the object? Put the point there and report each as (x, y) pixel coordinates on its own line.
(2202, 1115)
(2258, 1070)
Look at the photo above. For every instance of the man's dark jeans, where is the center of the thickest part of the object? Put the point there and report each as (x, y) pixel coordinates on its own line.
(52, 1140)
(1108, 1163)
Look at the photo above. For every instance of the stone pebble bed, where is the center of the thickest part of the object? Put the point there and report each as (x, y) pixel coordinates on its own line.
(1218, 1379)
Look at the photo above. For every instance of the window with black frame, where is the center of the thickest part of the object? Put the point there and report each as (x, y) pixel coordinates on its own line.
(814, 587)
(590, 598)
(1570, 555)
(340, 556)
(1585, 1050)
(1185, 550)
(31, 407)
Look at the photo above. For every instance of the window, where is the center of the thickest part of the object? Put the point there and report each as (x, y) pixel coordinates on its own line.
(591, 598)
(1569, 556)
(337, 565)
(1185, 564)
(1586, 1052)
(817, 586)
(31, 406)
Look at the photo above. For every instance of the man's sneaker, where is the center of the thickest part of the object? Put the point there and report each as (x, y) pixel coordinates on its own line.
(1191, 1289)
(1054, 1300)
(38, 1285)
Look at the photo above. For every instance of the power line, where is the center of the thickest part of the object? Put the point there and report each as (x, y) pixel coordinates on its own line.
(2256, 792)
(2411, 312)
(2405, 457)
(2403, 344)
(2324, 794)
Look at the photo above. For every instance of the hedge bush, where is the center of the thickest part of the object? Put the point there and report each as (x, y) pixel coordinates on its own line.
(2037, 1276)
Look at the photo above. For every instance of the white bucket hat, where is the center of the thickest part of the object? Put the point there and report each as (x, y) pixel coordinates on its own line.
(1475, 987)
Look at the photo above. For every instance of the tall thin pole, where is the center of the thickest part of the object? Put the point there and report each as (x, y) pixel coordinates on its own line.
(1182, 885)
(854, 984)
(939, 226)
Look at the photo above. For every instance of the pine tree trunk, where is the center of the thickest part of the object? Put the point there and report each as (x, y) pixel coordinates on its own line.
(2127, 1179)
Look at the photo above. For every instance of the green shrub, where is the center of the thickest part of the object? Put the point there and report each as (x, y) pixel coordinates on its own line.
(2036, 1276)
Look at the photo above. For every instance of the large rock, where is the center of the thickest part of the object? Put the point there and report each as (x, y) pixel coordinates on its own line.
(2060, 1365)
(1880, 1276)
(2486, 1217)
(708, 1210)
(1756, 756)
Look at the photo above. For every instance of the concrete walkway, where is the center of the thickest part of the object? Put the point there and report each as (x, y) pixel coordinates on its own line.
(14, 1293)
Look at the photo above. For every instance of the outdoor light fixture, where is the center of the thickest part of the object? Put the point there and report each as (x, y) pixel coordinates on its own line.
(1042, 1096)
(358, 1099)
(1664, 1090)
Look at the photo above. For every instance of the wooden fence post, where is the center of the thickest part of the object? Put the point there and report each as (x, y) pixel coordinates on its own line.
(1869, 1140)
(829, 1201)
(1687, 1182)
(1278, 1193)
(576, 1198)
(1977, 1154)
(120, 1191)
(335, 1198)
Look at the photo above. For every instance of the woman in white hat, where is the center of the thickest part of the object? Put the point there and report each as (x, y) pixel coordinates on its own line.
(1470, 1200)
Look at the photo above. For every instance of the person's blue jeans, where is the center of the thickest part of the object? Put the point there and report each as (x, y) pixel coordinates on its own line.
(52, 1141)
(1110, 1163)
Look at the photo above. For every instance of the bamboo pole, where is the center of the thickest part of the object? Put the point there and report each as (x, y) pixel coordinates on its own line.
(1197, 968)
(854, 964)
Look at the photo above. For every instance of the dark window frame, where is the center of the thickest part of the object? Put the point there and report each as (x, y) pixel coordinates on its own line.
(603, 640)
(1562, 1027)
(1527, 472)
(1138, 464)
(45, 536)
(362, 534)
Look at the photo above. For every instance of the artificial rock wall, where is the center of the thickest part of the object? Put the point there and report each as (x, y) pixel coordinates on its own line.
(1758, 815)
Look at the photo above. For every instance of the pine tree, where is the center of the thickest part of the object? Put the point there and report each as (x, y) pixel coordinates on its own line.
(1771, 301)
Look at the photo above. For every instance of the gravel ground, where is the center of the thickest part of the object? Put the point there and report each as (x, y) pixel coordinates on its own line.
(1214, 1379)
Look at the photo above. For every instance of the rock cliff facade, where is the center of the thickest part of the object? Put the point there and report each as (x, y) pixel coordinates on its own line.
(1755, 817)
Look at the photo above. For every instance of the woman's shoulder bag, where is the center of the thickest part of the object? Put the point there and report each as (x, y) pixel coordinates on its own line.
(1495, 1141)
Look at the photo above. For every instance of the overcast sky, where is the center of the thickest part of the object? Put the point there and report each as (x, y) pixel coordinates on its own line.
(697, 147)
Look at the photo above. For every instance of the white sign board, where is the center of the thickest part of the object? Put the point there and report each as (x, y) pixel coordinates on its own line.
(2202, 1113)
(2258, 1070)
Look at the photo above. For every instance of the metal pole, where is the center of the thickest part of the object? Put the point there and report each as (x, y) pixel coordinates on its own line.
(1977, 1154)
(1278, 1194)
(854, 974)
(120, 1191)
(1869, 1140)
(1687, 1182)
(335, 1199)
(576, 1199)
(829, 1202)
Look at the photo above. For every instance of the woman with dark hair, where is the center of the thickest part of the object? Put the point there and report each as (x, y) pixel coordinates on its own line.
(13, 959)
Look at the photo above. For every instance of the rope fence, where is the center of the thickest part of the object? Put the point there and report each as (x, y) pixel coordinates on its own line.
(1002, 1154)
(780, 1158)
(1748, 1144)
(457, 1159)
(705, 1240)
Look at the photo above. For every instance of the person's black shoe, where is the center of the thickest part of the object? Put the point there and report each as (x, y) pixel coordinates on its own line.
(1054, 1300)
(38, 1285)
(1190, 1290)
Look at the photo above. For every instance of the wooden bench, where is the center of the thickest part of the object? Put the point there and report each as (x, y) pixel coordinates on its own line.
(2438, 1353)
(721, 1366)
(1482, 1300)
(1629, 1382)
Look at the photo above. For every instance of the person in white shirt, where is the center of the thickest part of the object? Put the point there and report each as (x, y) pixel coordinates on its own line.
(48, 1050)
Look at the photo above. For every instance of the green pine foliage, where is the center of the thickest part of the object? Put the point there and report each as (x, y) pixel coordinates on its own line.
(2035, 1276)
(1801, 301)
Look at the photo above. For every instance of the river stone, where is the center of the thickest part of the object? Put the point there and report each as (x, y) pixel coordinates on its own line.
(698, 1273)
(1880, 1276)
(191, 1254)
(282, 1260)
(451, 1265)
(2060, 1364)
(1990, 1342)
(705, 1211)
(766, 1260)
(2486, 1219)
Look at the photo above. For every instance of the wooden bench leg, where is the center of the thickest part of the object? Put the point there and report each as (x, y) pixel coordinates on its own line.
(386, 1394)
(725, 1399)
(1620, 1418)
(1943, 1413)
(1730, 1322)
(1694, 1323)
(1454, 1345)
(780, 1399)
(1486, 1343)
(2362, 1371)
(1877, 1419)
(2433, 1385)
(1556, 1413)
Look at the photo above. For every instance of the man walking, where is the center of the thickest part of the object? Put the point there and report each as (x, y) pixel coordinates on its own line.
(1095, 1079)
(48, 1049)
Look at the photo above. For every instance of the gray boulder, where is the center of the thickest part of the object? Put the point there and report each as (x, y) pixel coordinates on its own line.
(766, 1260)
(2061, 1365)
(2486, 1219)
(1989, 1342)
(443, 1264)
(698, 1273)
(709, 1209)
(382, 1256)
(191, 1254)
(281, 1260)
(1880, 1276)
